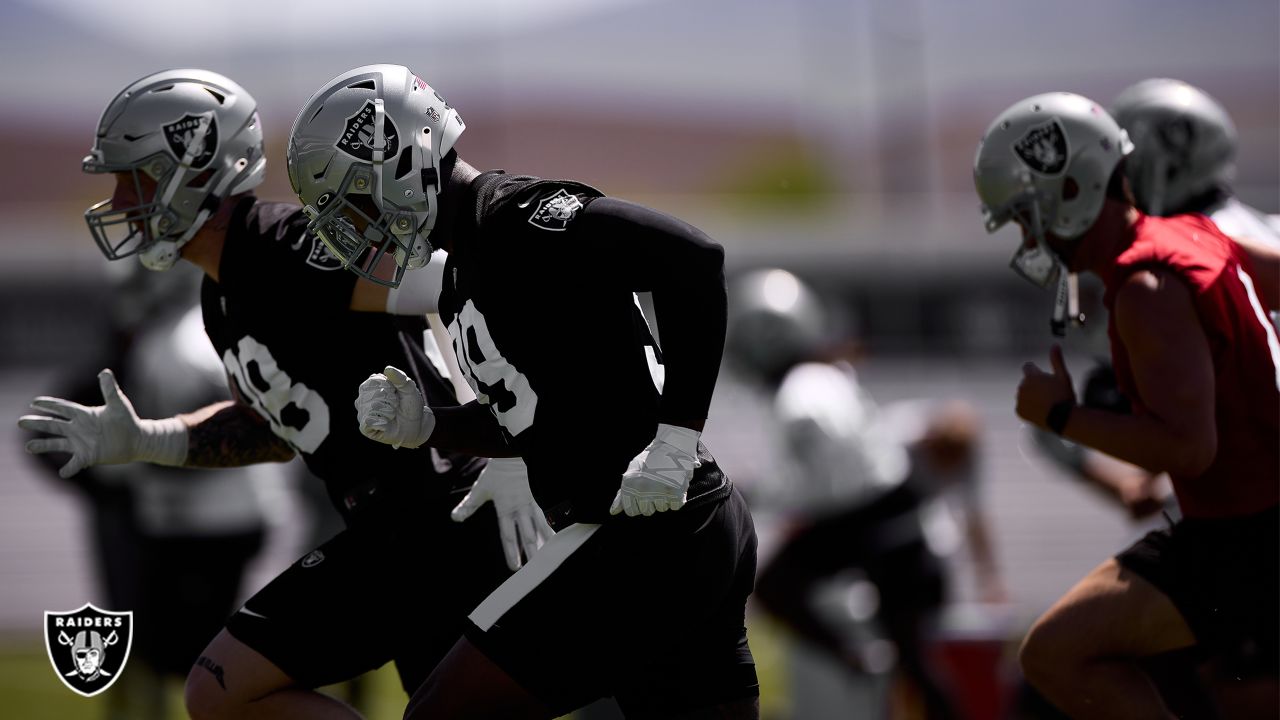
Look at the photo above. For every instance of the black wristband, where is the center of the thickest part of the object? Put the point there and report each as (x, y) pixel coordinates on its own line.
(1059, 414)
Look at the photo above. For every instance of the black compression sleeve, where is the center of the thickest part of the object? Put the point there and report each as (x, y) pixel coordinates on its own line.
(684, 269)
(471, 429)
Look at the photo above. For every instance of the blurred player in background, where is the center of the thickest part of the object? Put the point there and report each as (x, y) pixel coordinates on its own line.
(869, 488)
(1197, 358)
(296, 335)
(168, 545)
(1184, 161)
(642, 593)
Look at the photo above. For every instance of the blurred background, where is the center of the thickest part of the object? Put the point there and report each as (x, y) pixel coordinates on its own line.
(832, 138)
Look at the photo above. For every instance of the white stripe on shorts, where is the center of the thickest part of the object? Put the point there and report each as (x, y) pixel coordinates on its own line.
(545, 561)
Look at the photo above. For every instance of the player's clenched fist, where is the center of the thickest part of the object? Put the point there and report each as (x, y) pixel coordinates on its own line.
(1040, 391)
(390, 409)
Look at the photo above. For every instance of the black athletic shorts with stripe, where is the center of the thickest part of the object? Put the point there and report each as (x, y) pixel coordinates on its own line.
(395, 585)
(649, 610)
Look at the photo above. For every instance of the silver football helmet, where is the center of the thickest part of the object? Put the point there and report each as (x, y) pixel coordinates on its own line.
(365, 158)
(1184, 143)
(1045, 163)
(187, 139)
(775, 321)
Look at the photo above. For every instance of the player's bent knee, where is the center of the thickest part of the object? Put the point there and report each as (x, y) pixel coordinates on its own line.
(204, 698)
(1042, 656)
(1051, 653)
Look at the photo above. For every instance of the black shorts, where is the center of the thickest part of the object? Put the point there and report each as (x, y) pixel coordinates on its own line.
(1223, 575)
(649, 610)
(396, 586)
(186, 587)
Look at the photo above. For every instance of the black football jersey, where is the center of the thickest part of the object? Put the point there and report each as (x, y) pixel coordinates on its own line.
(539, 296)
(279, 317)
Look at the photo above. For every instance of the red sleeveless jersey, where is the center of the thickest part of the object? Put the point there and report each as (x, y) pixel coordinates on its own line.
(1245, 474)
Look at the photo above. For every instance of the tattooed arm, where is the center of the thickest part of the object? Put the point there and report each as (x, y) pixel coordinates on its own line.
(226, 434)
(231, 434)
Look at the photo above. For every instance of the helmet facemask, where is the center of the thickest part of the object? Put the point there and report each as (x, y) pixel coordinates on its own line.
(360, 234)
(1035, 262)
(360, 226)
(368, 156)
(124, 231)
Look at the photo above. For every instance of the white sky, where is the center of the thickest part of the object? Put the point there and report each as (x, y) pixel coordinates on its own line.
(169, 25)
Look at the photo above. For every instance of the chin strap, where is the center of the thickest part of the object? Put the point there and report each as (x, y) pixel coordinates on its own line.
(1066, 305)
(212, 201)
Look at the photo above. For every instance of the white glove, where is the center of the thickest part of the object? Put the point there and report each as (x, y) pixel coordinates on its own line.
(505, 482)
(107, 434)
(391, 410)
(658, 478)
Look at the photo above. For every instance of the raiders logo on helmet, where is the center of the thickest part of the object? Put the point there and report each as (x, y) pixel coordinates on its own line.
(555, 211)
(88, 647)
(180, 134)
(357, 136)
(1044, 148)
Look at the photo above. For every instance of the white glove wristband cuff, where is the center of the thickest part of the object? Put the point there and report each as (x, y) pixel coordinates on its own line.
(163, 442)
(426, 426)
(681, 438)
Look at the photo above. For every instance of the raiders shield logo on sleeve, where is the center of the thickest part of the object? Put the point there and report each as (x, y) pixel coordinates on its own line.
(88, 647)
(1044, 148)
(320, 258)
(555, 211)
(357, 135)
(180, 134)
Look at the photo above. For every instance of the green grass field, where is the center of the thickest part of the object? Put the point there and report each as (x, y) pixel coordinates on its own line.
(29, 690)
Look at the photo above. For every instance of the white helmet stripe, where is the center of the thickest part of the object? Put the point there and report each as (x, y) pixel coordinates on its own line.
(379, 149)
(196, 144)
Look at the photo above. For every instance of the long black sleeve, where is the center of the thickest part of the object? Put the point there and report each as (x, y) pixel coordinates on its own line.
(684, 269)
(470, 429)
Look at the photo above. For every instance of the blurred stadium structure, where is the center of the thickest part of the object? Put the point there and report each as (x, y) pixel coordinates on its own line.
(831, 137)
